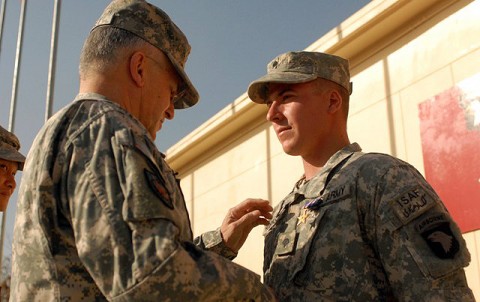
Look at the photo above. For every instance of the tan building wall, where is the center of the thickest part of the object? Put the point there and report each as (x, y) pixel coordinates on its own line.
(401, 53)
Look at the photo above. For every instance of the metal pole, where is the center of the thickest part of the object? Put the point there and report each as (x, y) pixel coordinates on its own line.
(13, 103)
(16, 71)
(53, 60)
(2, 18)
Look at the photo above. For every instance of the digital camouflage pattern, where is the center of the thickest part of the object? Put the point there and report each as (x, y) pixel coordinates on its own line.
(101, 217)
(301, 67)
(213, 242)
(154, 26)
(368, 227)
(9, 146)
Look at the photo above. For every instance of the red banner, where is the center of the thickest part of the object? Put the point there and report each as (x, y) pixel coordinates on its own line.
(450, 133)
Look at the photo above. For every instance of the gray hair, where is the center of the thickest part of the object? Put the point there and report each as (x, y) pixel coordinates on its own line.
(104, 46)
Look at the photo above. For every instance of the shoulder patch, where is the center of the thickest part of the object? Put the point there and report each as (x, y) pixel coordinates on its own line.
(412, 204)
(158, 187)
(436, 231)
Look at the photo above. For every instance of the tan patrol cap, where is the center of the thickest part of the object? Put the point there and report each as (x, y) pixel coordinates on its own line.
(301, 67)
(9, 146)
(154, 26)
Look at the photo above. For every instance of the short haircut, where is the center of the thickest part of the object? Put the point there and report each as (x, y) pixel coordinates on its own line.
(346, 100)
(104, 46)
(341, 90)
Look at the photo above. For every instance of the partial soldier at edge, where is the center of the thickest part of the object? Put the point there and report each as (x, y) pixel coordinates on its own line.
(11, 161)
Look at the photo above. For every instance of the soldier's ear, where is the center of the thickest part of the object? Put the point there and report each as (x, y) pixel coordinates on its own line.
(335, 101)
(137, 68)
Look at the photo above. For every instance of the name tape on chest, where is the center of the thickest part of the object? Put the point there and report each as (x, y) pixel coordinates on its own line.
(337, 193)
(328, 197)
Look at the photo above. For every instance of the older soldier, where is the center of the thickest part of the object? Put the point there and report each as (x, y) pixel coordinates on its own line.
(101, 215)
(10, 162)
(357, 226)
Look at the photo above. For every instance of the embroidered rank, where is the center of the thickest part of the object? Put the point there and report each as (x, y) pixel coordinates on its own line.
(286, 243)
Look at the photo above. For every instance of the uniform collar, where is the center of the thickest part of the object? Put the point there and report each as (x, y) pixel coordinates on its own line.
(91, 96)
(98, 97)
(315, 186)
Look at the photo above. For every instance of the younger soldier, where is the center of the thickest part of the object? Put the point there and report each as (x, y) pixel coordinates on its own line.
(357, 226)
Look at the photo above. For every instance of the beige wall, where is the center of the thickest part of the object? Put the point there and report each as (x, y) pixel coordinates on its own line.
(401, 53)
(388, 91)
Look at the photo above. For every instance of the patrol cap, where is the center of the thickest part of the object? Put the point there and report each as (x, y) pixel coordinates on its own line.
(9, 146)
(301, 67)
(154, 26)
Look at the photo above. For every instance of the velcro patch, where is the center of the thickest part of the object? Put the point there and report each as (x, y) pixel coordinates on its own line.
(337, 193)
(412, 204)
(158, 187)
(329, 197)
(436, 231)
(286, 243)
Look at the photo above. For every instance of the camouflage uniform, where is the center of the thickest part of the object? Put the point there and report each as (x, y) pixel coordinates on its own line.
(101, 217)
(367, 227)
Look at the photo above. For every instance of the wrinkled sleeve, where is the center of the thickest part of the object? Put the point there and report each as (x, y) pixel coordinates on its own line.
(213, 242)
(421, 248)
(127, 231)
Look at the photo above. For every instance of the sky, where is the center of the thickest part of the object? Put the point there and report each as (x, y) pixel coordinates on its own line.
(232, 42)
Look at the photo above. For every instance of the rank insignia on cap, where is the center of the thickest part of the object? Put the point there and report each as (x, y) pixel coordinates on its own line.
(441, 240)
(158, 187)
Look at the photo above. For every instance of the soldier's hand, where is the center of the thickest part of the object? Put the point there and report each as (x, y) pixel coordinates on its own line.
(241, 219)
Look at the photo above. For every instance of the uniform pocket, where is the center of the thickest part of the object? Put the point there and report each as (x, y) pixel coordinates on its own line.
(286, 243)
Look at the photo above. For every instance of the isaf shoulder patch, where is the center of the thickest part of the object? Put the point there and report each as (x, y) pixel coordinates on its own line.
(157, 185)
(412, 204)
